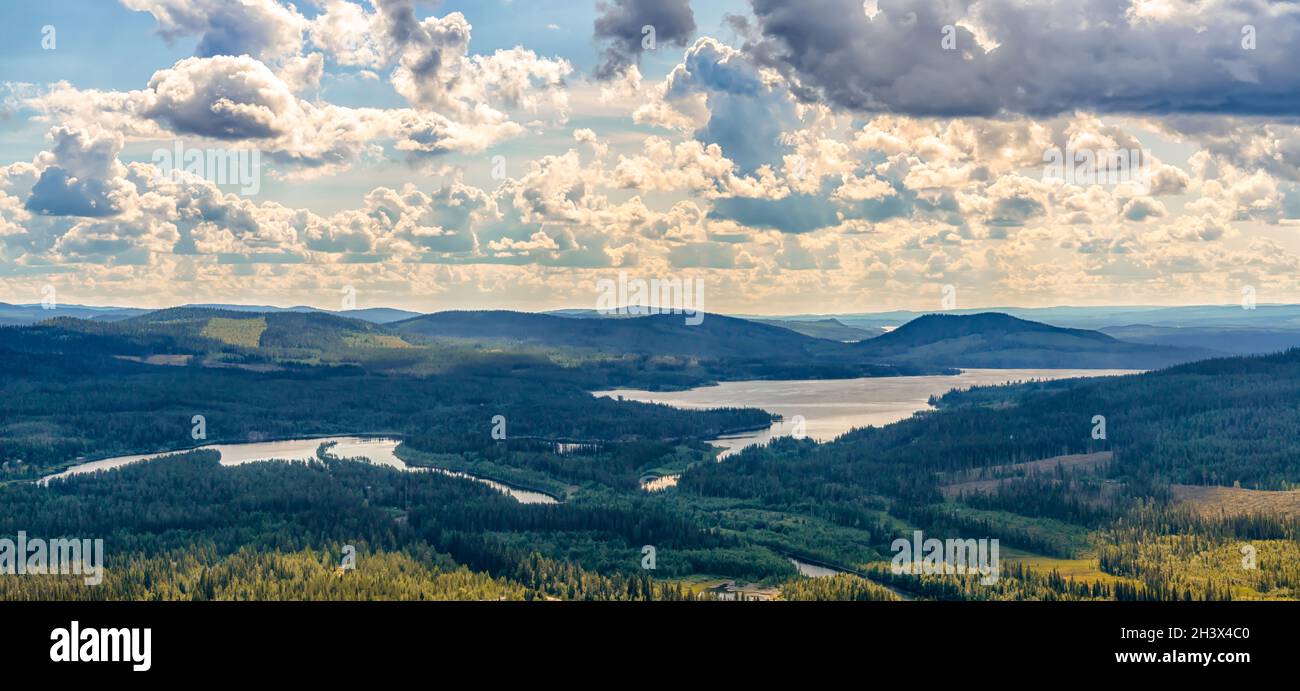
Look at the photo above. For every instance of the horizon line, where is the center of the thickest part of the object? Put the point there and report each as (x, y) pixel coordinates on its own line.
(869, 312)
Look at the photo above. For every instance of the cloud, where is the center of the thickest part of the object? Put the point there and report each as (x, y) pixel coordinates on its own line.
(699, 255)
(81, 176)
(264, 29)
(432, 67)
(829, 157)
(621, 28)
(748, 114)
(350, 35)
(794, 214)
(1035, 58)
(240, 102)
(723, 99)
(690, 166)
(1252, 143)
(1143, 209)
(222, 98)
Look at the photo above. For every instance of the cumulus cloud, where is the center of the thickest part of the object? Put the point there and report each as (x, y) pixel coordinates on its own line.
(239, 101)
(432, 67)
(748, 114)
(1012, 57)
(834, 152)
(264, 29)
(689, 166)
(1257, 143)
(243, 85)
(620, 27)
(222, 98)
(80, 175)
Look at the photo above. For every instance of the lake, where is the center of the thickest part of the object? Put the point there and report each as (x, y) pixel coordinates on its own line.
(831, 407)
(376, 450)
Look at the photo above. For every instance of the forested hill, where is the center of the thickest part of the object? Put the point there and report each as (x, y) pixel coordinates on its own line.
(1157, 477)
(996, 340)
(655, 351)
(1217, 422)
(216, 334)
(761, 347)
(715, 336)
(649, 352)
(832, 329)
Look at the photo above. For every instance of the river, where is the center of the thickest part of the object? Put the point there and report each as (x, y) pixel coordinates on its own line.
(376, 450)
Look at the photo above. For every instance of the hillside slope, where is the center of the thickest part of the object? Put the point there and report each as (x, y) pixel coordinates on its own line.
(830, 329)
(759, 349)
(998, 340)
(1229, 341)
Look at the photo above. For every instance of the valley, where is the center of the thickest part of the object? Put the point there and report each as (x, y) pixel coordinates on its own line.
(543, 436)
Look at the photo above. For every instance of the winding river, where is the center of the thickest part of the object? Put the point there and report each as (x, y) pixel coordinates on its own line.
(376, 450)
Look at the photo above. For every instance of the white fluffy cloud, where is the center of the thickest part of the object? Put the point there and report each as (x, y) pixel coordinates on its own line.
(264, 29)
(797, 168)
(431, 66)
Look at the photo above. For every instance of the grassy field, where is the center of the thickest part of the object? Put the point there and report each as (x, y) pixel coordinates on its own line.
(989, 479)
(1235, 501)
(238, 332)
(1083, 569)
(375, 340)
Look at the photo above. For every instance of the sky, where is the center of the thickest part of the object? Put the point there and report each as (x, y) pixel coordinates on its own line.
(794, 156)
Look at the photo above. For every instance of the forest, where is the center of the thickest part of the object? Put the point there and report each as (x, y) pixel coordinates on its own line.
(1113, 523)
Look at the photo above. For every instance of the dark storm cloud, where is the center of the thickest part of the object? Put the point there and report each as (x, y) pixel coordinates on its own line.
(1051, 57)
(620, 25)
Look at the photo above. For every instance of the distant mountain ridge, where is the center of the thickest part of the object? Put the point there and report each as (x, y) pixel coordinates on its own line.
(21, 315)
(1230, 341)
(763, 349)
(996, 340)
(830, 329)
(727, 346)
(1231, 316)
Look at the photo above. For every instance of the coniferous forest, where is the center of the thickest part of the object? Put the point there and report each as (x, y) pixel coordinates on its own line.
(1189, 495)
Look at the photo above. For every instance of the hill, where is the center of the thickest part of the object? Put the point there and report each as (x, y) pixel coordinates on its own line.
(1263, 316)
(737, 345)
(1230, 341)
(22, 315)
(216, 337)
(285, 329)
(376, 315)
(997, 340)
(830, 329)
